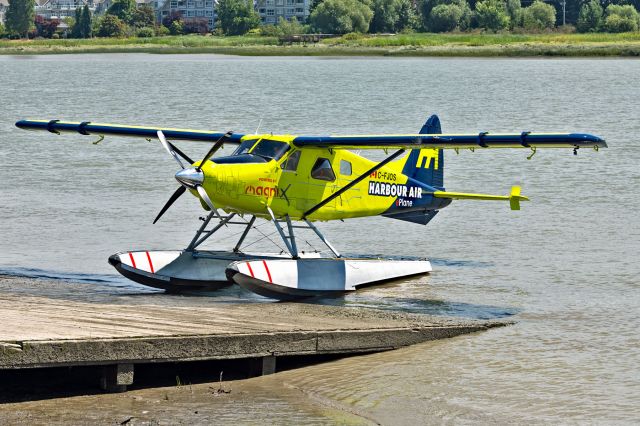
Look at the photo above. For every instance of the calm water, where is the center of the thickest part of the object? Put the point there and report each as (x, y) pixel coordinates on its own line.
(565, 267)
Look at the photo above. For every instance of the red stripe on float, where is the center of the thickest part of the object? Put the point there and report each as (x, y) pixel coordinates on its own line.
(150, 264)
(250, 270)
(133, 262)
(268, 273)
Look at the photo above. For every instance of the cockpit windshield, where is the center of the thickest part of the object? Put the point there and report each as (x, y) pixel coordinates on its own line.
(265, 148)
(244, 147)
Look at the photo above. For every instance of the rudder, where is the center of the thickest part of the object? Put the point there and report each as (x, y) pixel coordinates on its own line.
(427, 165)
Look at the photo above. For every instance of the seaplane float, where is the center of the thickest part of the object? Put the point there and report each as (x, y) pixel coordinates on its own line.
(295, 182)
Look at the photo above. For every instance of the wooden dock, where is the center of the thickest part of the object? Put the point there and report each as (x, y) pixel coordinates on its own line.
(53, 323)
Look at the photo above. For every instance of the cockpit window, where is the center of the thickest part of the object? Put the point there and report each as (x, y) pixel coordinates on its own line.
(270, 149)
(322, 170)
(244, 147)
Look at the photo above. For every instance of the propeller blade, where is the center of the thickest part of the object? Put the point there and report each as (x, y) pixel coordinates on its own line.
(181, 190)
(207, 200)
(168, 146)
(214, 148)
(180, 153)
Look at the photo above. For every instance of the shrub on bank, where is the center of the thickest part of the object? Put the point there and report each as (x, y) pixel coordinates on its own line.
(341, 17)
(145, 32)
(111, 26)
(492, 15)
(538, 16)
(621, 19)
(445, 18)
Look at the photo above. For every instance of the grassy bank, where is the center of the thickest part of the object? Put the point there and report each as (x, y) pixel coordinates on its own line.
(461, 45)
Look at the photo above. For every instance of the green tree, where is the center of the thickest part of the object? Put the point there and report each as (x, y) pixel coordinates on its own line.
(407, 16)
(445, 17)
(123, 9)
(237, 17)
(20, 16)
(539, 16)
(111, 26)
(386, 13)
(341, 17)
(313, 5)
(143, 16)
(392, 16)
(426, 10)
(287, 28)
(1, 29)
(590, 17)
(85, 22)
(75, 28)
(514, 10)
(621, 18)
(492, 15)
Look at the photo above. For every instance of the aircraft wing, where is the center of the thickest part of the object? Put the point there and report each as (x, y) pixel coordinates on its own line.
(89, 128)
(454, 141)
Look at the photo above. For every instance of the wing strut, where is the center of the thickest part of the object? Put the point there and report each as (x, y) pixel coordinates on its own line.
(353, 183)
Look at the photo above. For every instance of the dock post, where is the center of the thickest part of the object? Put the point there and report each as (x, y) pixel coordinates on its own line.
(115, 378)
(263, 366)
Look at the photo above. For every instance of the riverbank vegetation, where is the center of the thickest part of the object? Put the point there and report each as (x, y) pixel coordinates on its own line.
(419, 44)
(348, 27)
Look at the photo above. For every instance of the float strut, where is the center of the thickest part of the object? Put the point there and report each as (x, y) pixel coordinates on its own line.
(324, 240)
(196, 242)
(236, 249)
(289, 241)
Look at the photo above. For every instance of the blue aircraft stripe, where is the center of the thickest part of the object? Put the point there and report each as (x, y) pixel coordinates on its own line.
(146, 132)
(453, 141)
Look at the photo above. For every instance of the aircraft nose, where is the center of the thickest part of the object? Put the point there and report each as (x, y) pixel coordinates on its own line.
(191, 177)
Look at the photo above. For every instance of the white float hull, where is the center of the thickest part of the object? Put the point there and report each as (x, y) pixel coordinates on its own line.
(290, 278)
(178, 270)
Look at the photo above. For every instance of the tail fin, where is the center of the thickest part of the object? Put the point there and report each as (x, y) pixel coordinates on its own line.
(427, 165)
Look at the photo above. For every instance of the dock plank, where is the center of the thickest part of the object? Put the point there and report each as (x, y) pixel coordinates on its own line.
(55, 323)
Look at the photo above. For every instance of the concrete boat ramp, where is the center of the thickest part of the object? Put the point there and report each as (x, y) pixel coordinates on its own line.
(54, 323)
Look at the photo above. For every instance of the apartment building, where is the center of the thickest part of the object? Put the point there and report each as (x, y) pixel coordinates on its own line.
(60, 9)
(189, 9)
(270, 11)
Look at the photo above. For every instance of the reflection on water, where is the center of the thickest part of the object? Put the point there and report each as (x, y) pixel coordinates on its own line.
(564, 267)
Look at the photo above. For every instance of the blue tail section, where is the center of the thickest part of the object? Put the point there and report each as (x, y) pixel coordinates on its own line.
(425, 169)
(427, 165)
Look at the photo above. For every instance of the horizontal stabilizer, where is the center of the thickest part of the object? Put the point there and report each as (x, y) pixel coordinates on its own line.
(514, 198)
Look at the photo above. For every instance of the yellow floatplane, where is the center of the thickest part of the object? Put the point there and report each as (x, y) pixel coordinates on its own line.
(294, 181)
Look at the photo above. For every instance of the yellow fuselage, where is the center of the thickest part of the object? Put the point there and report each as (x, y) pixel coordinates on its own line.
(251, 188)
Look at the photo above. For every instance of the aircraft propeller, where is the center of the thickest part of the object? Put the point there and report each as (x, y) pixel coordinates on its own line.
(191, 177)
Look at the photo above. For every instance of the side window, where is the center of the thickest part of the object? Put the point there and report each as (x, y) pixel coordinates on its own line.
(291, 163)
(322, 170)
(345, 168)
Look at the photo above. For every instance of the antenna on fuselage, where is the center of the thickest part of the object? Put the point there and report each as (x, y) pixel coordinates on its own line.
(258, 128)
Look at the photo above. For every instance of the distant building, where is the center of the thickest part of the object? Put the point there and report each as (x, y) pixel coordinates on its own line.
(189, 9)
(270, 11)
(60, 9)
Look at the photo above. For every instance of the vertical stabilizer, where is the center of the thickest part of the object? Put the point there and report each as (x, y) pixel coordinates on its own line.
(427, 165)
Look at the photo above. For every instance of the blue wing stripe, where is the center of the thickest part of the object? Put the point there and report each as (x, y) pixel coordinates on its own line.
(487, 140)
(121, 130)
